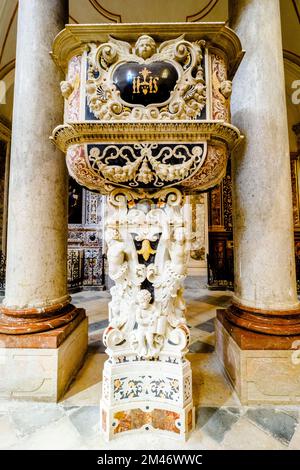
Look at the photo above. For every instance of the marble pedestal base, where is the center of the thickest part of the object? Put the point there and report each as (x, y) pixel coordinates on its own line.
(262, 369)
(147, 396)
(41, 366)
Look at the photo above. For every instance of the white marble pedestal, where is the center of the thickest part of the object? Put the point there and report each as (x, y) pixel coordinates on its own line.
(147, 396)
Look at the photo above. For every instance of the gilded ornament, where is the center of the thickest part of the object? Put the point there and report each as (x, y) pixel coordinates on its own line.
(146, 251)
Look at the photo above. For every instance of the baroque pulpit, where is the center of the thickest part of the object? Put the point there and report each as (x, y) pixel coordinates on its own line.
(147, 122)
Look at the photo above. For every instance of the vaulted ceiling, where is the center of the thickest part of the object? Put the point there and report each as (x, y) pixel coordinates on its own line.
(137, 11)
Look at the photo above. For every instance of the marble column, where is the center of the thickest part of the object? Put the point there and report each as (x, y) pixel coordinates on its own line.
(36, 298)
(256, 334)
(265, 280)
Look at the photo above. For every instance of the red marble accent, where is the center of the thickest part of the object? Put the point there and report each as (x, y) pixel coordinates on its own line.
(51, 339)
(20, 326)
(284, 323)
(165, 420)
(136, 418)
(251, 340)
(190, 420)
(41, 312)
(276, 313)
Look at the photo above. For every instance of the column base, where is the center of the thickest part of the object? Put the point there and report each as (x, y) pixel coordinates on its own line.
(41, 366)
(263, 369)
(147, 397)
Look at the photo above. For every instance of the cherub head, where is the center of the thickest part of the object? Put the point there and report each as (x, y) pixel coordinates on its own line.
(145, 46)
(226, 88)
(66, 88)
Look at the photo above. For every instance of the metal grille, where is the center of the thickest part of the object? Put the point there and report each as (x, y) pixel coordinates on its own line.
(75, 268)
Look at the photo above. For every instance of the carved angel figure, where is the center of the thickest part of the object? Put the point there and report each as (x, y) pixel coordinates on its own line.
(116, 255)
(66, 88)
(147, 340)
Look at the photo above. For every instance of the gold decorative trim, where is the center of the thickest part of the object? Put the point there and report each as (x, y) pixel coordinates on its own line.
(74, 39)
(146, 251)
(176, 131)
(203, 12)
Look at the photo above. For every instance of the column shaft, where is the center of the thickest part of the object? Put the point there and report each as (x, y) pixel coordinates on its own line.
(265, 280)
(36, 278)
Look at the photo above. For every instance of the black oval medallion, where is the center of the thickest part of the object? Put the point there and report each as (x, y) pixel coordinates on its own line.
(145, 83)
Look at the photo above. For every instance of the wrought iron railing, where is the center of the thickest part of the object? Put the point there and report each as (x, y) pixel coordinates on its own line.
(85, 268)
(75, 268)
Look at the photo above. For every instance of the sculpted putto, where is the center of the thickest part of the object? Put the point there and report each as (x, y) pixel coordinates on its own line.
(148, 338)
(226, 88)
(66, 88)
(145, 47)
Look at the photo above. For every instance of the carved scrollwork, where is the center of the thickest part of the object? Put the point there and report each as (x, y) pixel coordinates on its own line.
(199, 169)
(146, 313)
(211, 172)
(145, 164)
(147, 80)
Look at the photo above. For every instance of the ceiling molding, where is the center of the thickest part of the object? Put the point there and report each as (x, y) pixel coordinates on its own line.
(8, 30)
(291, 57)
(203, 12)
(73, 19)
(109, 15)
(296, 4)
(5, 129)
(7, 68)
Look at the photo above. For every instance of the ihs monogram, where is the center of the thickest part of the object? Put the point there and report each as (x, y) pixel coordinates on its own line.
(148, 85)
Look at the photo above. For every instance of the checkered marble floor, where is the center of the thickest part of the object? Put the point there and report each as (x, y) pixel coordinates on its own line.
(222, 423)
